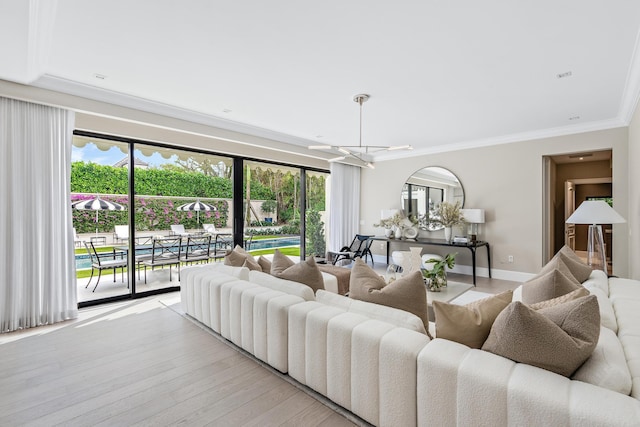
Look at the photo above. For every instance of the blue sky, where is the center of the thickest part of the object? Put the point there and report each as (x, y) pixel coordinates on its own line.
(91, 153)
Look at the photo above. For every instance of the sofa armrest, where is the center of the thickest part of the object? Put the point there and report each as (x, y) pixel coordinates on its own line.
(458, 385)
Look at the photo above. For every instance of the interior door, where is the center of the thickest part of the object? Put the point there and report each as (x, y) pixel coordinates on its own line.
(569, 207)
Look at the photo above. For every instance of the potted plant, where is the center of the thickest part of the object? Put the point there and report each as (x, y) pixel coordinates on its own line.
(436, 278)
(448, 215)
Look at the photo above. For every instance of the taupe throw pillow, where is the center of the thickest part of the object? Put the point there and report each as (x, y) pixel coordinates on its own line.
(305, 272)
(548, 286)
(265, 264)
(469, 324)
(579, 269)
(581, 292)
(234, 258)
(407, 293)
(251, 264)
(237, 256)
(558, 338)
(280, 263)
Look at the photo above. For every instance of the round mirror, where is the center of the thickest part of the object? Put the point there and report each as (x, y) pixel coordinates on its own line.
(426, 189)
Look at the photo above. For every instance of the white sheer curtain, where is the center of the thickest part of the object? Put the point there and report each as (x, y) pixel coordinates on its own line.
(37, 272)
(344, 206)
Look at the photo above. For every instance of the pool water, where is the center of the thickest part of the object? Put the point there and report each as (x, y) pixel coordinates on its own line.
(83, 261)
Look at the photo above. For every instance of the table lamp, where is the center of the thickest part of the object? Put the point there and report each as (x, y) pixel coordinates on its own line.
(594, 213)
(473, 217)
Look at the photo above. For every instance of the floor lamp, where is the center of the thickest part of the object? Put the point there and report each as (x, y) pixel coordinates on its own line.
(594, 213)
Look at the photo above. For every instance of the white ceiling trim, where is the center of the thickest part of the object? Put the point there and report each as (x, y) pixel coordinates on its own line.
(98, 94)
(631, 93)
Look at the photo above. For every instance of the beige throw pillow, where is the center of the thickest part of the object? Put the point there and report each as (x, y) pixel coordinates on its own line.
(237, 256)
(579, 269)
(234, 258)
(305, 272)
(251, 264)
(548, 286)
(280, 263)
(407, 293)
(265, 264)
(581, 292)
(558, 338)
(469, 324)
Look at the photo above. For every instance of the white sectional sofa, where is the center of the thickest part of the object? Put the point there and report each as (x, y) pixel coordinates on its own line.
(378, 363)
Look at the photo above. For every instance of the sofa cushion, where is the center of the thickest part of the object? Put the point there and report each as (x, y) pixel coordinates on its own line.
(607, 314)
(580, 292)
(407, 293)
(305, 272)
(287, 286)
(469, 324)
(397, 317)
(599, 279)
(548, 286)
(558, 338)
(607, 366)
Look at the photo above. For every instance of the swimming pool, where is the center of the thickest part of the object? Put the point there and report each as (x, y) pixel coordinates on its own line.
(83, 261)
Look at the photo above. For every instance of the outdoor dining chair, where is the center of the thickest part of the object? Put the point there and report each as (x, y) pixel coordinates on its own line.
(164, 251)
(360, 247)
(195, 248)
(104, 261)
(222, 243)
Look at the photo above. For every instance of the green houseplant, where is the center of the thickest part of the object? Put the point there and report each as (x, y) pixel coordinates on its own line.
(436, 278)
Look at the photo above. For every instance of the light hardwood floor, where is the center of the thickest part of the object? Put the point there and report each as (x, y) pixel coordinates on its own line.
(143, 363)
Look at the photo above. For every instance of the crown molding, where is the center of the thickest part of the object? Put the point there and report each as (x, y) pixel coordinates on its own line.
(59, 84)
(507, 139)
(631, 93)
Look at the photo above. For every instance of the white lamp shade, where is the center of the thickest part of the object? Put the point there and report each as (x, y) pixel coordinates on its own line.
(595, 212)
(473, 216)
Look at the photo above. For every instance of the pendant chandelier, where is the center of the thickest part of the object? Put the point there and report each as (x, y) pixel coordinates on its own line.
(359, 151)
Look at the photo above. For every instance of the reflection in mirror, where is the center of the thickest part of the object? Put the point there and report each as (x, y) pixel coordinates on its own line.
(426, 189)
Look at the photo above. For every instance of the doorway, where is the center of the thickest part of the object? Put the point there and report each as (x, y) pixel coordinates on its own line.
(569, 180)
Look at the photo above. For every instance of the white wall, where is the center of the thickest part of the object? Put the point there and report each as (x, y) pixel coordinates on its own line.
(506, 181)
(633, 216)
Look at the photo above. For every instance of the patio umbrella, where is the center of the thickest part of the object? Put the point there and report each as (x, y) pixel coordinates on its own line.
(97, 204)
(197, 206)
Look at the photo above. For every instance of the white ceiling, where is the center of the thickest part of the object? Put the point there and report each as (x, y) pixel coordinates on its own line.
(441, 75)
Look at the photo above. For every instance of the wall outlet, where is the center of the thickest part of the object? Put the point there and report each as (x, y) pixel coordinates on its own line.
(510, 258)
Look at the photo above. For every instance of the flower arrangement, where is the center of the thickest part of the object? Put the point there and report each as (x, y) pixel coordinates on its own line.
(448, 215)
(393, 221)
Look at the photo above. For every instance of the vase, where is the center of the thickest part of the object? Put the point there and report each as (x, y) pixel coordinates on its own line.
(447, 234)
(397, 232)
(388, 232)
(435, 284)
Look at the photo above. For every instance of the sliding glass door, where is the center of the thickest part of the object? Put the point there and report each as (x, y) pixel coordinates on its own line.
(99, 197)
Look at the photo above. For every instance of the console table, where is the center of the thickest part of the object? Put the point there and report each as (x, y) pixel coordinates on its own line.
(472, 246)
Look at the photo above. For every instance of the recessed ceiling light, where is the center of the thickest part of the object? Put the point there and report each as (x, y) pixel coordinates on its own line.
(226, 110)
(565, 74)
(319, 136)
(100, 76)
(574, 118)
